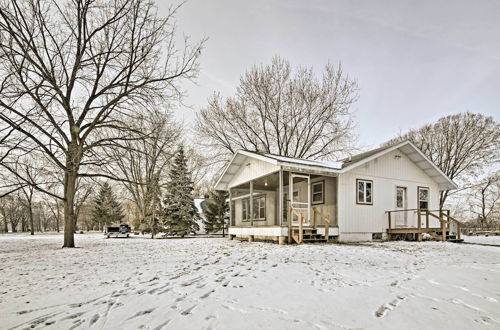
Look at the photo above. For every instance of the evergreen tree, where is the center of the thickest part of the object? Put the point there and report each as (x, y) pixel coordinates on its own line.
(107, 209)
(216, 212)
(180, 213)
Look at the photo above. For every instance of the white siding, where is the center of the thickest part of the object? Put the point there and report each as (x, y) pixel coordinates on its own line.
(387, 172)
(252, 169)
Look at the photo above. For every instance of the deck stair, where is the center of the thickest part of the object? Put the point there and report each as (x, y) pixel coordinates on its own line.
(309, 235)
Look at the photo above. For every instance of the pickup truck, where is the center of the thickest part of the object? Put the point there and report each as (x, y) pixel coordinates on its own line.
(122, 231)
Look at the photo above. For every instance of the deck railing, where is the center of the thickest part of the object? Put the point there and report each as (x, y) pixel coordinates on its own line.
(326, 220)
(444, 217)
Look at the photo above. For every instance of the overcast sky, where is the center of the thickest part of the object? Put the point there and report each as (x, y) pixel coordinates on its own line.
(414, 61)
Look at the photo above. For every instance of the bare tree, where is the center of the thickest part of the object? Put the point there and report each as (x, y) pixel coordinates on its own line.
(484, 201)
(143, 162)
(13, 211)
(460, 145)
(276, 110)
(71, 70)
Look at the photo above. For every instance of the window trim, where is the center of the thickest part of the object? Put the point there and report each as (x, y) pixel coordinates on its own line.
(357, 192)
(428, 196)
(322, 201)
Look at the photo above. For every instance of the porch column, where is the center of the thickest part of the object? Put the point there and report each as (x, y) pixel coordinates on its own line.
(231, 218)
(251, 203)
(279, 220)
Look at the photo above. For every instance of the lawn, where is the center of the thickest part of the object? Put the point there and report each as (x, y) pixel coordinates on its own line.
(214, 283)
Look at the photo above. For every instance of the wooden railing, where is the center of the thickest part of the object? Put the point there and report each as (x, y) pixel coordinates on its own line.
(445, 224)
(326, 220)
(292, 211)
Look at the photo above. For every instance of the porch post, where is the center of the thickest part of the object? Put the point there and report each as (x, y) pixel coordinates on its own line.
(251, 203)
(280, 196)
(231, 219)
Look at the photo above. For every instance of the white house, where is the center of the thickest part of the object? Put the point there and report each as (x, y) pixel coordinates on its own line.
(381, 194)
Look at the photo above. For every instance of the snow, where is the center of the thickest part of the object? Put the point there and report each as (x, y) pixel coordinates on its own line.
(300, 161)
(214, 283)
(495, 240)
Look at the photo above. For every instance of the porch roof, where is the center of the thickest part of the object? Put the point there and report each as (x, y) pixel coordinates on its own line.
(405, 147)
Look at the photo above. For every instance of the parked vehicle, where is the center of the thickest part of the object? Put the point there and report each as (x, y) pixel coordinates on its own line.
(123, 231)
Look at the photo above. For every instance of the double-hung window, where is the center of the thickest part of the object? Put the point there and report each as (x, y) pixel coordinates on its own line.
(364, 192)
(423, 198)
(318, 192)
(245, 208)
(259, 207)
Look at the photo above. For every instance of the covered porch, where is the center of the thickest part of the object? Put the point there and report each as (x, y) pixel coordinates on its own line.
(285, 206)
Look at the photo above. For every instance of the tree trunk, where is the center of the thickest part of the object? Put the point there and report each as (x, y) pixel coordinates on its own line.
(69, 208)
(32, 226)
(14, 227)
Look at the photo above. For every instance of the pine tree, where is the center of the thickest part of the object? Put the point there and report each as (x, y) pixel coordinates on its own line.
(179, 212)
(216, 212)
(107, 209)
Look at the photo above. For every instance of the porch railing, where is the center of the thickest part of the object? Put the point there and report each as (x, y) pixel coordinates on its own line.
(326, 220)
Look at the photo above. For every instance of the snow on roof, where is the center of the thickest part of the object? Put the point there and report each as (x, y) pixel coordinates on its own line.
(328, 164)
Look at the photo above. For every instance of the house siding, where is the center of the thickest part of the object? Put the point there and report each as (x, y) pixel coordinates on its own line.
(386, 172)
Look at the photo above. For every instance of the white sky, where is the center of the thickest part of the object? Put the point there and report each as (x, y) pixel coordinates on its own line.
(414, 61)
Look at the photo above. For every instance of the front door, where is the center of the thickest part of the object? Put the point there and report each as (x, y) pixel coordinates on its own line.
(401, 217)
(300, 197)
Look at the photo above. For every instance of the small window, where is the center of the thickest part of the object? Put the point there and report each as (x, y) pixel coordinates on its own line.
(423, 198)
(318, 192)
(259, 208)
(364, 193)
(245, 206)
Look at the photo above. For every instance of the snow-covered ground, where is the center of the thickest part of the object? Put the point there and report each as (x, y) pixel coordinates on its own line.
(213, 283)
(495, 240)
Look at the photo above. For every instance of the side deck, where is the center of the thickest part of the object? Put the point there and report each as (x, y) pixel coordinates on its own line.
(449, 229)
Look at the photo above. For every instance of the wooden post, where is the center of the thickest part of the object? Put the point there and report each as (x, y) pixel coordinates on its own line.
(327, 229)
(281, 240)
(251, 204)
(314, 217)
(419, 226)
(458, 230)
(289, 224)
(301, 233)
(389, 217)
(427, 219)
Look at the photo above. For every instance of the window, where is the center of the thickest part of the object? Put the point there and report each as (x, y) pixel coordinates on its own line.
(423, 198)
(259, 207)
(399, 198)
(364, 194)
(318, 192)
(245, 206)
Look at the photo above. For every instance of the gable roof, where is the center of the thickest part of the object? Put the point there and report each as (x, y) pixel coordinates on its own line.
(405, 147)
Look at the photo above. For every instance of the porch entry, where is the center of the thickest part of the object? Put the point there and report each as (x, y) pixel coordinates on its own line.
(401, 219)
(300, 197)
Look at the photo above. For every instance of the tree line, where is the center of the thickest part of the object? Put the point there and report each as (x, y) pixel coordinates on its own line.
(86, 98)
